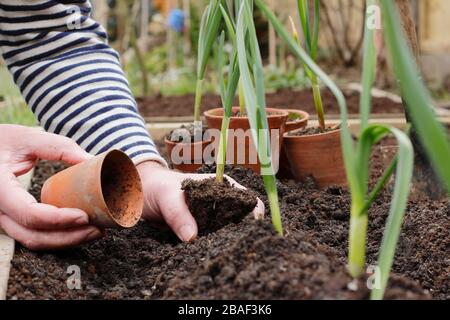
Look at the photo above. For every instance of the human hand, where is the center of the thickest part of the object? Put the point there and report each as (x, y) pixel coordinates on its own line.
(165, 201)
(38, 226)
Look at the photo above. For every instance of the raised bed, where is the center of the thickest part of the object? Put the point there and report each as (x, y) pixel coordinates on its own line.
(247, 260)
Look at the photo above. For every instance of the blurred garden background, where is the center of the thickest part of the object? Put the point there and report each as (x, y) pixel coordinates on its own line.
(157, 41)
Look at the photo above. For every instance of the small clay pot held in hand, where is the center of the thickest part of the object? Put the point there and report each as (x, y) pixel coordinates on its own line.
(318, 155)
(243, 149)
(107, 187)
(297, 119)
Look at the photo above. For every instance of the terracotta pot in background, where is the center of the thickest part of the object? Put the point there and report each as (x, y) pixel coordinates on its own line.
(318, 155)
(277, 120)
(291, 125)
(194, 161)
(300, 123)
(107, 187)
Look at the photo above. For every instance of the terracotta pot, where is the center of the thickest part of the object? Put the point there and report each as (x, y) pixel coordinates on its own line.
(107, 188)
(291, 125)
(187, 157)
(242, 151)
(318, 155)
(300, 123)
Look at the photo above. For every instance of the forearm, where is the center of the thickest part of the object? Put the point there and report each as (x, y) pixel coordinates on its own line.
(71, 78)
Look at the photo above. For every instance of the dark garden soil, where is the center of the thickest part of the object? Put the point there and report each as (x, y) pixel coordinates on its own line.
(246, 259)
(186, 133)
(160, 106)
(215, 205)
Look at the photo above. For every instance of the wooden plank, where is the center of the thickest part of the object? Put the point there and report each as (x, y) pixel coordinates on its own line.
(6, 255)
(7, 246)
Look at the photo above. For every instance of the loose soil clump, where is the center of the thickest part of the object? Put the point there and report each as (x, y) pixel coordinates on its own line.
(186, 134)
(215, 205)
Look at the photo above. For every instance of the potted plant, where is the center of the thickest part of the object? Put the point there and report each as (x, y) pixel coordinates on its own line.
(301, 147)
(242, 150)
(188, 145)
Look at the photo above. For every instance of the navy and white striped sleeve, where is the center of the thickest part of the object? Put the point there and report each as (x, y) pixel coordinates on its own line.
(71, 78)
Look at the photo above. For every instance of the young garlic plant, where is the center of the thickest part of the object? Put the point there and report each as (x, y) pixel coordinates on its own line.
(432, 134)
(252, 77)
(311, 38)
(357, 157)
(242, 112)
(209, 30)
(227, 93)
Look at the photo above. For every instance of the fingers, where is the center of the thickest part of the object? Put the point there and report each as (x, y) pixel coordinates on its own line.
(176, 213)
(48, 146)
(23, 208)
(48, 240)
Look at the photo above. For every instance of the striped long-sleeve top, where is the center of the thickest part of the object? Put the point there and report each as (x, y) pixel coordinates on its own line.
(70, 77)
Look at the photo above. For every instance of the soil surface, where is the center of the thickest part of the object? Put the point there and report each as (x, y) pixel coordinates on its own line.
(159, 106)
(215, 205)
(309, 131)
(247, 260)
(186, 134)
(237, 114)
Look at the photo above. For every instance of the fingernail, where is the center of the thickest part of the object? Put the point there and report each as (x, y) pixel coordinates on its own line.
(93, 235)
(187, 233)
(82, 220)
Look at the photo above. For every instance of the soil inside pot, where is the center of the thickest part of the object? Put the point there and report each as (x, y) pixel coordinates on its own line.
(189, 133)
(246, 260)
(215, 205)
(159, 106)
(237, 114)
(309, 131)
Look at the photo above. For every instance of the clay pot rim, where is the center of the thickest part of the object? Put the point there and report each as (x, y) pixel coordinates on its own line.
(167, 141)
(305, 115)
(123, 157)
(279, 113)
(288, 136)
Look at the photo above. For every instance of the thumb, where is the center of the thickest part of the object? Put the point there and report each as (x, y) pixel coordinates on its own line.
(49, 146)
(176, 214)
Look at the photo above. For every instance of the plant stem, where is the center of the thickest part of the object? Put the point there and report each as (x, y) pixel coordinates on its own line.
(241, 99)
(357, 240)
(318, 101)
(380, 185)
(270, 184)
(222, 155)
(198, 100)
